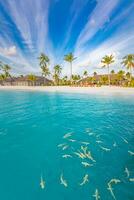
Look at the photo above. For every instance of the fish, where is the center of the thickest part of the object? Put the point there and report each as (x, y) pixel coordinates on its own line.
(85, 180)
(114, 144)
(111, 191)
(131, 153)
(115, 181)
(99, 141)
(86, 143)
(42, 182)
(105, 149)
(90, 134)
(71, 140)
(96, 195)
(89, 156)
(80, 155)
(124, 140)
(88, 129)
(127, 172)
(61, 145)
(63, 181)
(84, 149)
(67, 135)
(67, 156)
(131, 179)
(65, 147)
(86, 164)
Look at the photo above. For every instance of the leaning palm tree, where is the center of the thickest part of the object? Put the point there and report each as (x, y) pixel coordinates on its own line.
(128, 62)
(6, 68)
(2, 77)
(44, 61)
(106, 61)
(57, 72)
(85, 74)
(70, 58)
(1, 64)
(45, 71)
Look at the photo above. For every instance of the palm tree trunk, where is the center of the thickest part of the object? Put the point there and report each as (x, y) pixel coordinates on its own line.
(71, 72)
(108, 76)
(130, 74)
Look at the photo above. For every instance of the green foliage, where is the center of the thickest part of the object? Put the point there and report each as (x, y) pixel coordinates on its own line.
(128, 62)
(112, 72)
(32, 77)
(70, 58)
(106, 61)
(85, 73)
(2, 77)
(44, 62)
(5, 68)
(57, 72)
(95, 73)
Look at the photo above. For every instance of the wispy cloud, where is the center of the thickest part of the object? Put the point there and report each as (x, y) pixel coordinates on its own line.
(10, 51)
(119, 45)
(25, 32)
(30, 18)
(96, 21)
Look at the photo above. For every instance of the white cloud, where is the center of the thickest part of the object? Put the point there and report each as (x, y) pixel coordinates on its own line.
(10, 51)
(119, 45)
(96, 21)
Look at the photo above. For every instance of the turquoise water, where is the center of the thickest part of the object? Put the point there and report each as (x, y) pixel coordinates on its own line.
(32, 125)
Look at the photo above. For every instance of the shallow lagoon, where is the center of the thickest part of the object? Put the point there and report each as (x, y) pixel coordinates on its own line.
(32, 125)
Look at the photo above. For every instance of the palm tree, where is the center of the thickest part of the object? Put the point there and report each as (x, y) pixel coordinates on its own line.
(128, 75)
(32, 78)
(2, 77)
(128, 62)
(106, 61)
(70, 58)
(85, 74)
(57, 72)
(45, 71)
(75, 78)
(6, 68)
(120, 75)
(44, 61)
(64, 80)
(1, 64)
(95, 73)
(112, 71)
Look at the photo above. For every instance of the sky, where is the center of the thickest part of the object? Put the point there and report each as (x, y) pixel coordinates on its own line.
(90, 29)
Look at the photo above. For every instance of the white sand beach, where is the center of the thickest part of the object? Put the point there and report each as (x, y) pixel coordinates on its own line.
(69, 89)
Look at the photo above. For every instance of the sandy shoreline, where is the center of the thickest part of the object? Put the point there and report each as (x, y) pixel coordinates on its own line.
(102, 90)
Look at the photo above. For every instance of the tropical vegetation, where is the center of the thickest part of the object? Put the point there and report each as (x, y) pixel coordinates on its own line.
(106, 61)
(70, 58)
(120, 78)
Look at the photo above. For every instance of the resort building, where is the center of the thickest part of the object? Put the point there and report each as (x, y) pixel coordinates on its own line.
(103, 80)
(25, 81)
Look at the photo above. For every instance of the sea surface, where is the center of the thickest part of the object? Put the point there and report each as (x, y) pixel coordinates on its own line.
(84, 141)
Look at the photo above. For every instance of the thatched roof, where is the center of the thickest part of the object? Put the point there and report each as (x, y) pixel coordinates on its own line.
(26, 78)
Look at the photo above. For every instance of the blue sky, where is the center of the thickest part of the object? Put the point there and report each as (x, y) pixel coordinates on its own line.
(88, 28)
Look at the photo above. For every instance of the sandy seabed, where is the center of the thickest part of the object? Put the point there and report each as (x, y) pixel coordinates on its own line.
(69, 89)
